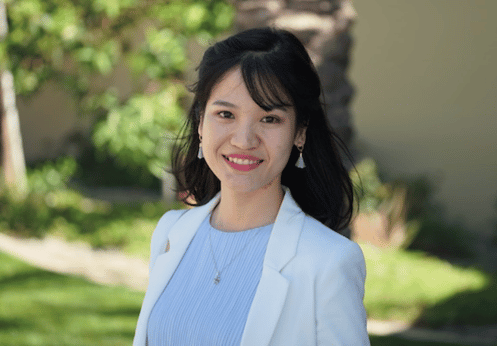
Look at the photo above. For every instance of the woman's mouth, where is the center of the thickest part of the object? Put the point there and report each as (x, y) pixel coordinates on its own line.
(243, 163)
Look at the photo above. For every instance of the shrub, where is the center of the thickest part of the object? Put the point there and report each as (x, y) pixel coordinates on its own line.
(403, 214)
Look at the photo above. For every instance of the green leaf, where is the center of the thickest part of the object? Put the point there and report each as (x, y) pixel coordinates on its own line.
(103, 63)
(195, 16)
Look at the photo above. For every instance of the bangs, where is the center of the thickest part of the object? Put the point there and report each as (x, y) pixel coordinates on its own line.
(263, 85)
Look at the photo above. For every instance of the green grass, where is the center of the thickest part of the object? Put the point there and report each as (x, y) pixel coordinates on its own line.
(411, 286)
(38, 307)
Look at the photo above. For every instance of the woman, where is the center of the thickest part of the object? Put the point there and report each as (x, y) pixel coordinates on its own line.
(256, 262)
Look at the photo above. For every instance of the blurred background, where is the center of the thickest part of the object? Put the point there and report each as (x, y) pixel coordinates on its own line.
(93, 93)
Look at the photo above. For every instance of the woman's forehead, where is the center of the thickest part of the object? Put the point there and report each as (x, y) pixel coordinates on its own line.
(265, 89)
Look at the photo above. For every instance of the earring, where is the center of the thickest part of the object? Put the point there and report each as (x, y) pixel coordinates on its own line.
(200, 154)
(300, 162)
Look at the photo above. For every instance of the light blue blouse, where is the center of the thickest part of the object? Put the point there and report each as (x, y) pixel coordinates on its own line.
(193, 309)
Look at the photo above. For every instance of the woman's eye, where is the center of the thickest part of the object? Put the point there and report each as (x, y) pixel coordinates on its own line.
(225, 114)
(270, 119)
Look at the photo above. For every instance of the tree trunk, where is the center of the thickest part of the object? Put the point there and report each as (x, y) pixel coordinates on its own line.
(14, 166)
(323, 27)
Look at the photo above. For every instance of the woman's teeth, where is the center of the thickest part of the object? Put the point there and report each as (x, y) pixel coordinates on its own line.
(242, 161)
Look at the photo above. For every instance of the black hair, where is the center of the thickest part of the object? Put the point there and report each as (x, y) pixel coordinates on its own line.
(275, 67)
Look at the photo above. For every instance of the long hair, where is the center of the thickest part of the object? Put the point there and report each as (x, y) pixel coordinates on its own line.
(275, 67)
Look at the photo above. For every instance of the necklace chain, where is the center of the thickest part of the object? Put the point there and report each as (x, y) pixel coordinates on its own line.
(217, 278)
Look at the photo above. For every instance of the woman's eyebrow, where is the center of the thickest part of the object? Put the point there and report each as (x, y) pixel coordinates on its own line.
(283, 108)
(224, 103)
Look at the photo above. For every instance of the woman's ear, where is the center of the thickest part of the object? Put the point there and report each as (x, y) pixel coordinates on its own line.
(300, 136)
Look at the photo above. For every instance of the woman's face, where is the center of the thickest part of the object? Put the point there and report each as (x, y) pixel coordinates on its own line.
(245, 146)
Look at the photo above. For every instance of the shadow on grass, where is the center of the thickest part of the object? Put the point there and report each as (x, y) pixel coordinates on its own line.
(37, 278)
(471, 307)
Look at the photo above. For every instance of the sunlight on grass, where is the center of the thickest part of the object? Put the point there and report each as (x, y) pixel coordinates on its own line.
(401, 284)
(43, 308)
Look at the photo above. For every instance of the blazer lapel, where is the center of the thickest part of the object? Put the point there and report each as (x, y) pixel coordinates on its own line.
(179, 237)
(270, 297)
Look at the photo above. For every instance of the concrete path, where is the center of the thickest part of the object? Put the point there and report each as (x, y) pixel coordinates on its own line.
(104, 267)
(115, 268)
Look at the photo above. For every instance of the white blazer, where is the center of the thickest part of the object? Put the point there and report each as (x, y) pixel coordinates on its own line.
(310, 292)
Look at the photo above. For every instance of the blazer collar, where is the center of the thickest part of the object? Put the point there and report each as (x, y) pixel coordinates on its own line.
(271, 292)
(282, 245)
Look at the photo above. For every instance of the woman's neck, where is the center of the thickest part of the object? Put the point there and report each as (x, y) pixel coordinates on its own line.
(238, 211)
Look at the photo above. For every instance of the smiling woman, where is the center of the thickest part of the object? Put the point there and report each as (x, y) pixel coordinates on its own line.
(246, 146)
(259, 261)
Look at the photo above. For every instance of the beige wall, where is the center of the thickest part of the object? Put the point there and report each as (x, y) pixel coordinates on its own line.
(47, 120)
(426, 79)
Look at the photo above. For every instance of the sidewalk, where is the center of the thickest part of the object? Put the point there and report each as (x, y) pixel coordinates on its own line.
(102, 266)
(115, 268)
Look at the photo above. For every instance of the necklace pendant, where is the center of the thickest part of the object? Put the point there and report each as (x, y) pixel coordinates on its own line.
(217, 279)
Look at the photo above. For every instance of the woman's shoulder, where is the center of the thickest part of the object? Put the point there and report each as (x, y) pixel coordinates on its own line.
(170, 217)
(324, 244)
(165, 223)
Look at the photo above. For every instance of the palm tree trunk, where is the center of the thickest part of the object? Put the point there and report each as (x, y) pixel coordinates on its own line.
(14, 166)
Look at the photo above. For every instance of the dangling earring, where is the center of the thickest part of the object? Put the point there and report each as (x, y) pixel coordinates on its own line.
(300, 162)
(200, 154)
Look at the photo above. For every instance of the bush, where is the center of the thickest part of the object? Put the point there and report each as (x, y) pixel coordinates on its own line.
(33, 215)
(99, 168)
(402, 213)
(52, 207)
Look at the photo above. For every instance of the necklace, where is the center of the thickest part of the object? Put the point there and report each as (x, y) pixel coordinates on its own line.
(217, 278)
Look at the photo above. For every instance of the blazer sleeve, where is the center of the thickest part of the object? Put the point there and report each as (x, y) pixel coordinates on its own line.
(160, 236)
(340, 314)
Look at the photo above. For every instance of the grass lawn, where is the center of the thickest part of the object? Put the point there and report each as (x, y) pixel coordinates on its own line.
(38, 307)
(411, 286)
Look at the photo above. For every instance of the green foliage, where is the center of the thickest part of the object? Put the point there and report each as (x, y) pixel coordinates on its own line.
(52, 176)
(408, 205)
(389, 202)
(369, 188)
(141, 125)
(33, 215)
(100, 169)
(85, 45)
(52, 207)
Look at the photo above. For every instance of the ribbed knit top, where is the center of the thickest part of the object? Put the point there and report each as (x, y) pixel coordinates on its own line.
(192, 309)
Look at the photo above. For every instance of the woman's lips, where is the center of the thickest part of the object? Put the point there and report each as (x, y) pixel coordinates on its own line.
(243, 163)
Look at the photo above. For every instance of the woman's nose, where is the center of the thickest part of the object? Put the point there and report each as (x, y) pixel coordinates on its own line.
(245, 136)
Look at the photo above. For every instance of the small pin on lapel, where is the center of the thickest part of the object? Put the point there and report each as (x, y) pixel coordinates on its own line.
(167, 246)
